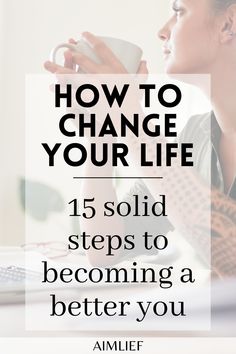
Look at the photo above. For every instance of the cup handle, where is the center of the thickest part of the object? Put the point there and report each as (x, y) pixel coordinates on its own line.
(54, 51)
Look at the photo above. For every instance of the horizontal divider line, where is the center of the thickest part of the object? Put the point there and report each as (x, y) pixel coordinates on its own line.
(126, 177)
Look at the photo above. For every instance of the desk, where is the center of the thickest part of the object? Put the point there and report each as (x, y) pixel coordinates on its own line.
(12, 318)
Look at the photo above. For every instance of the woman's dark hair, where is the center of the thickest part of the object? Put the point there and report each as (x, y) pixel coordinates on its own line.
(223, 4)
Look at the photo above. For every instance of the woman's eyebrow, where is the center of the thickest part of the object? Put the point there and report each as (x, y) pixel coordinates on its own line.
(175, 3)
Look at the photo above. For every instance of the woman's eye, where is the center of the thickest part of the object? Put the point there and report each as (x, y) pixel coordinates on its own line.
(178, 11)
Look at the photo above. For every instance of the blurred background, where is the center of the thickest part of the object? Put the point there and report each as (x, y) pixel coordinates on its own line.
(28, 32)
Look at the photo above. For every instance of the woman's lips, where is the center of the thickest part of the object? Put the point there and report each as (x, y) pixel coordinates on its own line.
(166, 51)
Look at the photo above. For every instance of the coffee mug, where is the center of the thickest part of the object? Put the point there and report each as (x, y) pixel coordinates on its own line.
(128, 53)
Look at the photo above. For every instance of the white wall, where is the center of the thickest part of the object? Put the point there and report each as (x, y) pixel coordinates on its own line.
(29, 30)
(1, 111)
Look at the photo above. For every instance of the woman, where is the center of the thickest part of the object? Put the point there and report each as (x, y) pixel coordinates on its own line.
(199, 38)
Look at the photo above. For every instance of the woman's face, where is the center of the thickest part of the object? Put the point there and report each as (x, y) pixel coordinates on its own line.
(190, 37)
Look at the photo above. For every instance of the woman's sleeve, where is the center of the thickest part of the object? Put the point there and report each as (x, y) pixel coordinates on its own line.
(138, 225)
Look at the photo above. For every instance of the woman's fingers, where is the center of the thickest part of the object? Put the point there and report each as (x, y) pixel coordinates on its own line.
(86, 64)
(104, 53)
(72, 41)
(55, 68)
(143, 70)
(52, 67)
(109, 62)
(49, 66)
(68, 60)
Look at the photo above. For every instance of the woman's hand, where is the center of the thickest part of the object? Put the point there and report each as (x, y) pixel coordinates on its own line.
(110, 64)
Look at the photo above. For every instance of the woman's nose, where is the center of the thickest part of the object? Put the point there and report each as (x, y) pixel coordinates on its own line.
(164, 32)
(162, 36)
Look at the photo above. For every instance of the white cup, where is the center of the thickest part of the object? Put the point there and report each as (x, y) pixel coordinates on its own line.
(128, 53)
